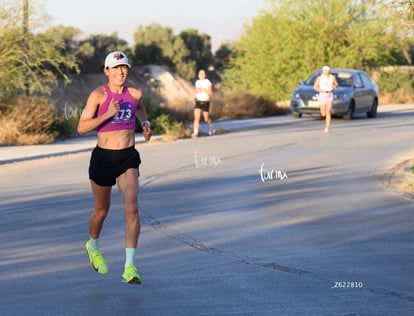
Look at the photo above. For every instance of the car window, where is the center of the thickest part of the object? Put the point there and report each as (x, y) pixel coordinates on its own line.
(344, 79)
(358, 80)
(311, 80)
(365, 79)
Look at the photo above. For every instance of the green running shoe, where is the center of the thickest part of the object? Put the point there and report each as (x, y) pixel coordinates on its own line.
(131, 275)
(96, 260)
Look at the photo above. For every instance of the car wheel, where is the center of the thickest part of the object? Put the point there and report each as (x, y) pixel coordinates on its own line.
(350, 114)
(297, 114)
(373, 112)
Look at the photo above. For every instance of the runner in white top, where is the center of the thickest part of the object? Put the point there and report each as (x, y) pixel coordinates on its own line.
(202, 87)
(325, 84)
(203, 91)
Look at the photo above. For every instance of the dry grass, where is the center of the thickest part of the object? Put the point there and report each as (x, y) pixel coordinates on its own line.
(240, 105)
(26, 121)
(396, 98)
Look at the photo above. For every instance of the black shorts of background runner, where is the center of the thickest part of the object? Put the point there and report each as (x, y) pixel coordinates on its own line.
(107, 164)
(203, 105)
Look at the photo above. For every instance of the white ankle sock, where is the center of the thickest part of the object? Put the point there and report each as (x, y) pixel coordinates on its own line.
(93, 244)
(129, 256)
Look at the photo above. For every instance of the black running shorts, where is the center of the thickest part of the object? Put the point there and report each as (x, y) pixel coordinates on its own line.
(203, 105)
(107, 164)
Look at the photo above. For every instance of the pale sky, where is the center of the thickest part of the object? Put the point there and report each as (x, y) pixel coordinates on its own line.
(223, 20)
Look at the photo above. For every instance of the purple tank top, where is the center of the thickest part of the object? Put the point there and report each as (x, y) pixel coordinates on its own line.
(125, 119)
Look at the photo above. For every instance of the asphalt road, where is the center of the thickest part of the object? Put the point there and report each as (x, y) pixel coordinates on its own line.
(282, 220)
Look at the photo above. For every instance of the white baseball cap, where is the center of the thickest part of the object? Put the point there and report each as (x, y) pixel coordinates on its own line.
(116, 58)
(325, 68)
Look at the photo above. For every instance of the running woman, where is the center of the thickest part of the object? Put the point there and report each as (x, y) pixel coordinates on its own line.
(111, 109)
(203, 91)
(325, 84)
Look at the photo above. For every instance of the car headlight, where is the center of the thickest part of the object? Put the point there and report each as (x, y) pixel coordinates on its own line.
(340, 96)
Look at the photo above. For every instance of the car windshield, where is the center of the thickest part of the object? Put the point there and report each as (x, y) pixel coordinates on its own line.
(344, 78)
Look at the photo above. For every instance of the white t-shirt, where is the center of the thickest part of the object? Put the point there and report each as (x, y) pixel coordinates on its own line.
(326, 83)
(201, 88)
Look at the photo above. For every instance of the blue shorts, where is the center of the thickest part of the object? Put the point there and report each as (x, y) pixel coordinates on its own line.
(108, 164)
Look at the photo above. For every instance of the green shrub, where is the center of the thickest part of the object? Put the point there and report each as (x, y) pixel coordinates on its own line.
(154, 110)
(396, 86)
(164, 121)
(172, 129)
(64, 127)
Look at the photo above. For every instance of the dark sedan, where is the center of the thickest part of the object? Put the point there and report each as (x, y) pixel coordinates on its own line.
(356, 93)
